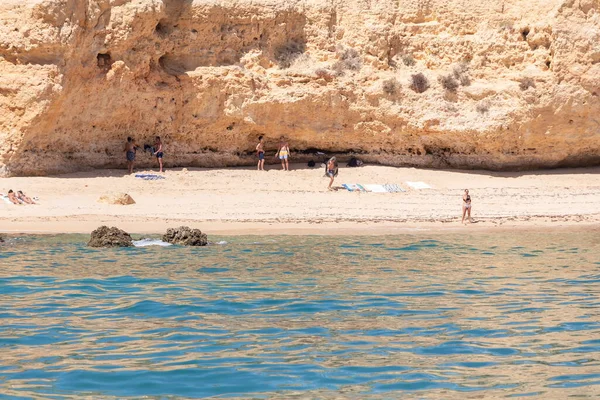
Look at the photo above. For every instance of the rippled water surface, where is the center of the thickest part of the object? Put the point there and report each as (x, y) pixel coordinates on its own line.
(438, 316)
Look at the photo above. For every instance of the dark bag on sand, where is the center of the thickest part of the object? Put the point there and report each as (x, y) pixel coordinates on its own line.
(354, 162)
(311, 163)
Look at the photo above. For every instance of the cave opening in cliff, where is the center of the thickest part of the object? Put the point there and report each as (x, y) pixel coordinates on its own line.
(524, 33)
(104, 60)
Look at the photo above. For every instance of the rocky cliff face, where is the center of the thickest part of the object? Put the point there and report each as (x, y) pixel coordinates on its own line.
(481, 83)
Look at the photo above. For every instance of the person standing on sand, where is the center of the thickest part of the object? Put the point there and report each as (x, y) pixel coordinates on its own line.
(283, 152)
(332, 169)
(260, 150)
(130, 148)
(466, 208)
(158, 152)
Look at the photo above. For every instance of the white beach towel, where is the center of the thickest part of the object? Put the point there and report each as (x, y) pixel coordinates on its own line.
(418, 185)
(6, 199)
(375, 188)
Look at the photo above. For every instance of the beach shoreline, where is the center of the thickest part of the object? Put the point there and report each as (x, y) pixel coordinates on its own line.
(243, 201)
(83, 225)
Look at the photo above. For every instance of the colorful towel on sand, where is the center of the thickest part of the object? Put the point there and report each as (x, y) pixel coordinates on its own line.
(149, 177)
(418, 185)
(387, 188)
(354, 187)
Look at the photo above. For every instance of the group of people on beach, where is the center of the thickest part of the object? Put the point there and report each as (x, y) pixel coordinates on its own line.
(131, 149)
(283, 153)
(19, 197)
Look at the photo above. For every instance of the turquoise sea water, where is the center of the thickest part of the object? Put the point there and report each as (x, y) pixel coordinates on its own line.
(505, 315)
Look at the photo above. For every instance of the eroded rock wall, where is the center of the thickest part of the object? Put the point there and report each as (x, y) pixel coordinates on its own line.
(505, 84)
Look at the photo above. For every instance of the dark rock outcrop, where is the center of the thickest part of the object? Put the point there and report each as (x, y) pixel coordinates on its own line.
(110, 237)
(185, 236)
(1, 239)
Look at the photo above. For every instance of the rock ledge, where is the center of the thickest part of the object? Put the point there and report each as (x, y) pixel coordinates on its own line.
(185, 236)
(110, 237)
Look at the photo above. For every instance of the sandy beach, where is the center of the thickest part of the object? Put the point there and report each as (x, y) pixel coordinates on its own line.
(245, 201)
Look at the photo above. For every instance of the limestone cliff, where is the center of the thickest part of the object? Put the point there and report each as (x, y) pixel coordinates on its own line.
(461, 83)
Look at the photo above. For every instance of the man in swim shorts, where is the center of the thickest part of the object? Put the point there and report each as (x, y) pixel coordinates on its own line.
(130, 153)
(466, 208)
(13, 197)
(260, 150)
(158, 152)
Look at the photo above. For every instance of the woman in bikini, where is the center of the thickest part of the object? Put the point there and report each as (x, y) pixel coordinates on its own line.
(283, 152)
(466, 208)
(24, 198)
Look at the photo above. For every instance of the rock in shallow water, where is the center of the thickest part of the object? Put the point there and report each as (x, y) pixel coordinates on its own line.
(185, 236)
(110, 237)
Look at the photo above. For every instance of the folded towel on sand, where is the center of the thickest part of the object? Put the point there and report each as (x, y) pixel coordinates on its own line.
(149, 177)
(375, 188)
(6, 199)
(418, 185)
(392, 188)
(354, 187)
(387, 188)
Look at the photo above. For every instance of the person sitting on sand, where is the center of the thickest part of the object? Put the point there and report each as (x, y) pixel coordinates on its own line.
(13, 198)
(466, 208)
(24, 198)
(332, 169)
(158, 152)
(130, 149)
(260, 151)
(283, 153)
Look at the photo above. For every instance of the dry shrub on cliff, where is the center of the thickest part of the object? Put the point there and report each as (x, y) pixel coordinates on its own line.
(461, 74)
(391, 86)
(408, 60)
(349, 59)
(324, 73)
(526, 83)
(287, 53)
(419, 82)
(483, 107)
(449, 82)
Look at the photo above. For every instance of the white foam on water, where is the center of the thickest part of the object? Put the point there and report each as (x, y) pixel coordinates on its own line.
(221, 242)
(150, 242)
